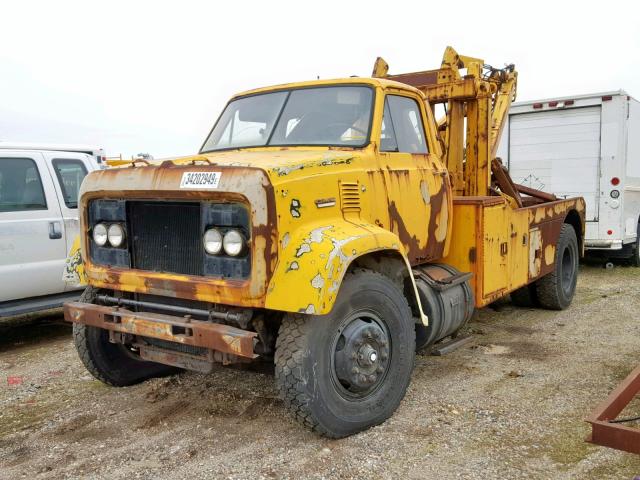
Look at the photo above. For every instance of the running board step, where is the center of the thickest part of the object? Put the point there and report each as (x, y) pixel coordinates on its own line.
(450, 345)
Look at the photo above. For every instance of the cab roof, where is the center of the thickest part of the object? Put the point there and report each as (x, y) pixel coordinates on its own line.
(374, 82)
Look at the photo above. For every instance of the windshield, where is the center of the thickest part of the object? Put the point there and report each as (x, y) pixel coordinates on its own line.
(339, 116)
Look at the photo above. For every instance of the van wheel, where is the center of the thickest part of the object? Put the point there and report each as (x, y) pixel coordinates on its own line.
(112, 363)
(635, 256)
(556, 289)
(346, 371)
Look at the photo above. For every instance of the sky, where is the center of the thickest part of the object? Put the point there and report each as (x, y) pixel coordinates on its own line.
(137, 76)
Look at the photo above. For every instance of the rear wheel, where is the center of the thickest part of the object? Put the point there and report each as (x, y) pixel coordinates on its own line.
(525, 296)
(347, 371)
(556, 290)
(112, 363)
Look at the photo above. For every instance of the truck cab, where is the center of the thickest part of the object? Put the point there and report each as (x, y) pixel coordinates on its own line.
(331, 227)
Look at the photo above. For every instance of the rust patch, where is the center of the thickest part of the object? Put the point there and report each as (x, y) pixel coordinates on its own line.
(432, 248)
(437, 221)
(398, 226)
(547, 220)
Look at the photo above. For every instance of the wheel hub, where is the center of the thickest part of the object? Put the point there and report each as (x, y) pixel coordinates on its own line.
(361, 356)
(567, 264)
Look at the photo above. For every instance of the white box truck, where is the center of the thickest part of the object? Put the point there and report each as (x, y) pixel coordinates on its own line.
(584, 145)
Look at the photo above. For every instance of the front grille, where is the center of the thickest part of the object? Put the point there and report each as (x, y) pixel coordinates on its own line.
(166, 237)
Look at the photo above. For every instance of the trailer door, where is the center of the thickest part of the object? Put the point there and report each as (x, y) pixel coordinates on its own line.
(558, 151)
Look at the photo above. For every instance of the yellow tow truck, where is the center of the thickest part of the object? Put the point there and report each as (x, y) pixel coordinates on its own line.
(330, 226)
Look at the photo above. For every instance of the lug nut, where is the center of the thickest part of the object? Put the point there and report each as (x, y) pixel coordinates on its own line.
(355, 370)
(372, 378)
(379, 370)
(363, 378)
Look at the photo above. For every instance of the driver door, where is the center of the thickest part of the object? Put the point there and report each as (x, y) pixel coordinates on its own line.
(416, 193)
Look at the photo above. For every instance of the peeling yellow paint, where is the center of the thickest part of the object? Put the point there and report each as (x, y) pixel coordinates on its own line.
(549, 254)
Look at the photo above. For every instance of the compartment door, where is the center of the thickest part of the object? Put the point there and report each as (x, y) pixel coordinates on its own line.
(495, 246)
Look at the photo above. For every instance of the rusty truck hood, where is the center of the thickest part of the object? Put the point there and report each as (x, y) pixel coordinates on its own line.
(278, 163)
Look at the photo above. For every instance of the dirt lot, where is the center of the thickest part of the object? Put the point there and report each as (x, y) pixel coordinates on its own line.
(509, 405)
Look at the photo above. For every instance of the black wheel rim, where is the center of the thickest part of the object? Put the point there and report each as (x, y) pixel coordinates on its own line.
(360, 355)
(568, 270)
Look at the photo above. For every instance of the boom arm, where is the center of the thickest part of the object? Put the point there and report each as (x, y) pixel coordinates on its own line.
(483, 95)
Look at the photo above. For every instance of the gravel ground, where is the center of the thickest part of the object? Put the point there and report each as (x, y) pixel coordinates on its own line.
(510, 404)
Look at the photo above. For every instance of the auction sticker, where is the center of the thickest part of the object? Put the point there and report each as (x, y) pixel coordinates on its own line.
(198, 180)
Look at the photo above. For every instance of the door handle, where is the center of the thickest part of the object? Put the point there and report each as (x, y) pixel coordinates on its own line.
(55, 230)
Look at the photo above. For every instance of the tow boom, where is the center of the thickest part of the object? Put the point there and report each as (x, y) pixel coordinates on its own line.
(483, 95)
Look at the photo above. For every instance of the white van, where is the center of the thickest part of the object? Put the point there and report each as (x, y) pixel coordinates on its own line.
(584, 145)
(38, 224)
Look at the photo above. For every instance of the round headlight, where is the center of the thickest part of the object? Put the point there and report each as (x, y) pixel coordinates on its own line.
(212, 241)
(615, 193)
(115, 235)
(100, 234)
(233, 243)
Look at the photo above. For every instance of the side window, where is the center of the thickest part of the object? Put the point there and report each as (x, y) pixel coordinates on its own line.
(407, 124)
(70, 174)
(20, 185)
(388, 142)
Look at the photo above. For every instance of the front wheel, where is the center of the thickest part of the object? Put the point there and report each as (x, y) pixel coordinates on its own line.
(112, 363)
(344, 372)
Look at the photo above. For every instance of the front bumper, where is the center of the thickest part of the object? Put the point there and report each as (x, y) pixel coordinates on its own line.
(598, 244)
(194, 333)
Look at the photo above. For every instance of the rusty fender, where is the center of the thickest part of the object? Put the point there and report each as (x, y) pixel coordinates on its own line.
(546, 222)
(314, 260)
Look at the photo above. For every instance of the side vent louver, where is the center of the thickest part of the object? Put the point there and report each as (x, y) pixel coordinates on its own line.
(350, 197)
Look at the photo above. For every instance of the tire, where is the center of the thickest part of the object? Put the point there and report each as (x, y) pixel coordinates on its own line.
(635, 256)
(317, 358)
(525, 297)
(556, 290)
(108, 362)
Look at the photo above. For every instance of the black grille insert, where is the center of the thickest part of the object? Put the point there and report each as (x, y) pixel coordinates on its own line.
(166, 237)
